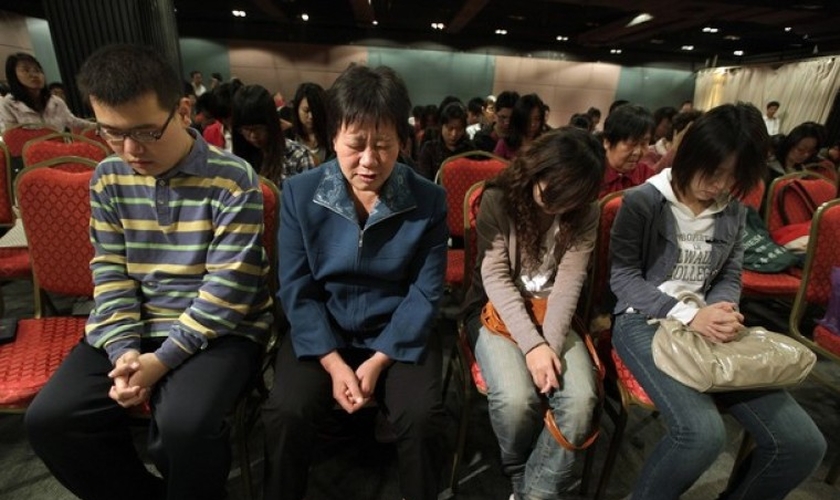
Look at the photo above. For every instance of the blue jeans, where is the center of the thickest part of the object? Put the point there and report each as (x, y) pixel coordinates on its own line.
(539, 468)
(789, 447)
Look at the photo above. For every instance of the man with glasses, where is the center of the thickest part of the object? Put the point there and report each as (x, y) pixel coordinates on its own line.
(487, 138)
(182, 307)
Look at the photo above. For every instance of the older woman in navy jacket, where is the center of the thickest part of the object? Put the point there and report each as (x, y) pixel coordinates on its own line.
(362, 248)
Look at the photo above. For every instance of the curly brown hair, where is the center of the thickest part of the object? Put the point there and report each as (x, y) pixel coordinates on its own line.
(570, 162)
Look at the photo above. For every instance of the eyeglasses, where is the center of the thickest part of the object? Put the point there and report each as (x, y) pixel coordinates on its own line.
(144, 136)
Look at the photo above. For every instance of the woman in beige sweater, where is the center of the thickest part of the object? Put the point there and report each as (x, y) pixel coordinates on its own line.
(536, 229)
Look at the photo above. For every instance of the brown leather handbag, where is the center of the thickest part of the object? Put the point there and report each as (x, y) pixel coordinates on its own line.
(536, 308)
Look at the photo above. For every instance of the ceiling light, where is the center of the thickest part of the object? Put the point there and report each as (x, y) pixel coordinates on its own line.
(561, 38)
(788, 28)
(238, 13)
(709, 29)
(304, 16)
(501, 32)
(640, 19)
(738, 53)
(615, 51)
(437, 26)
(732, 37)
(375, 22)
(688, 47)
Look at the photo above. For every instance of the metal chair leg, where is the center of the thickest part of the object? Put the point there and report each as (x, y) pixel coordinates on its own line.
(612, 452)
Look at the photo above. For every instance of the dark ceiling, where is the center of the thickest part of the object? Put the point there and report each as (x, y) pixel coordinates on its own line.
(765, 30)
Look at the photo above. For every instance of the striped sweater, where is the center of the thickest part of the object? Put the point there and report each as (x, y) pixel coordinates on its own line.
(179, 256)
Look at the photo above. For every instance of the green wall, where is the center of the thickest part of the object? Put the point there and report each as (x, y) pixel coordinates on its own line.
(655, 87)
(459, 74)
(205, 56)
(39, 33)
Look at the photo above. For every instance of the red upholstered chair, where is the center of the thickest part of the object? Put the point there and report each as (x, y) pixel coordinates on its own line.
(62, 144)
(753, 197)
(456, 175)
(16, 137)
(824, 168)
(92, 134)
(823, 254)
(246, 413)
(469, 371)
(470, 374)
(755, 284)
(790, 210)
(7, 216)
(55, 208)
(247, 409)
(620, 381)
(780, 212)
(14, 261)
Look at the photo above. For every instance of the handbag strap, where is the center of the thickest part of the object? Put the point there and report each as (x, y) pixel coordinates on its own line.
(492, 321)
(551, 423)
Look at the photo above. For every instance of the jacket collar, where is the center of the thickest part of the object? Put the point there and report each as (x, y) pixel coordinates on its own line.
(395, 196)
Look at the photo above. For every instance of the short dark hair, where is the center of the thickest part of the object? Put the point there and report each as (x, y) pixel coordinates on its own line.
(617, 104)
(593, 112)
(219, 101)
(194, 72)
(682, 120)
(729, 129)
(118, 74)
(665, 112)
(475, 105)
(628, 122)
(581, 121)
(18, 91)
(772, 103)
(55, 85)
(507, 99)
(362, 94)
(453, 111)
(217, 76)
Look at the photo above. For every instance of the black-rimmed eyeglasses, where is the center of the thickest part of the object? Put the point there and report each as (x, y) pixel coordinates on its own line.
(144, 136)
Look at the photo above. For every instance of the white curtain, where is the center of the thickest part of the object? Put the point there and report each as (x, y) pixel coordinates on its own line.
(805, 89)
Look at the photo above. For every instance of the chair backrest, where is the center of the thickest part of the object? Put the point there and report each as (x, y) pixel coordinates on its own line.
(824, 168)
(55, 208)
(785, 205)
(754, 196)
(16, 137)
(599, 265)
(457, 174)
(7, 216)
(472, 201)
(823, 253)
(815, 288)
(92, 134)
(71, 164)
(62, 144)
(271, 203)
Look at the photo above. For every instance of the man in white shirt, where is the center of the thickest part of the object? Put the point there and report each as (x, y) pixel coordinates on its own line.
(770, 119)
(198, 86)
